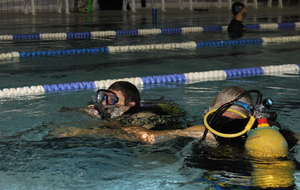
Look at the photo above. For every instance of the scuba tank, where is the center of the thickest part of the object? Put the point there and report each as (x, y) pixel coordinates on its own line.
(266, 141)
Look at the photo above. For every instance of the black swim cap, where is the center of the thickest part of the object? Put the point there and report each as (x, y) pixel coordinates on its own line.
(237, 7)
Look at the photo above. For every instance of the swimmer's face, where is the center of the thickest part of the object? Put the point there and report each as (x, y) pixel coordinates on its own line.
(121, 99)
(244, 12)
(112, 108)
(111, 103)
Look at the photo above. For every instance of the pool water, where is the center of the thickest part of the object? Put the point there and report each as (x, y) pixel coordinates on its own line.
(28, 161)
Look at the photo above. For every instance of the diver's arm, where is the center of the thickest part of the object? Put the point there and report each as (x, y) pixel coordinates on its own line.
(197, 132)
(132, 133)
(297, 136)
(89, 110)
(152, 136)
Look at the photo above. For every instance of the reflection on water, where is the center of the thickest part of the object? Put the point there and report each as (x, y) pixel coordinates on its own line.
(228, 168)
(30, 160)
(274, 173)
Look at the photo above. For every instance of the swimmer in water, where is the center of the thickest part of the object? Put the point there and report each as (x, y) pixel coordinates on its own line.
(236, 28)
(121, 102)
(120, 106)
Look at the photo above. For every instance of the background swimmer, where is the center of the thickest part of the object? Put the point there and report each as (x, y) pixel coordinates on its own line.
(236, 28)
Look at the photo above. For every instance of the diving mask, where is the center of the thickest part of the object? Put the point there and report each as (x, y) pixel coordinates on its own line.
(105, 104)
(106, 97)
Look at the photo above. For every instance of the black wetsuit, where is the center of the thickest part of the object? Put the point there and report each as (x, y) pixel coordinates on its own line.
(162, 116)
(236, 28)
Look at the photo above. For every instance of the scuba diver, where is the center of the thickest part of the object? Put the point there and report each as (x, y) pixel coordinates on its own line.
(234, 114)
(236, 28)
(253, 148)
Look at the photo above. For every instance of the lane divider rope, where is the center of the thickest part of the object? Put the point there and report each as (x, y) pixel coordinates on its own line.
(147, 47)
(213, 75)
(183, 30)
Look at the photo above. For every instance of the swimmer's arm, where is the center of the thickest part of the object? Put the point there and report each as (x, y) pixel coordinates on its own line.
(133, 133)
(197, 132)
(152, 137)
(89, 110)
(90, 132)
(298, 138)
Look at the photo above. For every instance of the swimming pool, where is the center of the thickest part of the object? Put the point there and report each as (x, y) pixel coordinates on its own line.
(30, 162)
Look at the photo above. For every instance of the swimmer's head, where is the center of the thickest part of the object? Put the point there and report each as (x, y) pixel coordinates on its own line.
(237, 7)
(229, 94)
(128, 91)
(107, 107)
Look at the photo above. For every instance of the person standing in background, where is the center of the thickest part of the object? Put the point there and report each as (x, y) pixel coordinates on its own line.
(236, 28)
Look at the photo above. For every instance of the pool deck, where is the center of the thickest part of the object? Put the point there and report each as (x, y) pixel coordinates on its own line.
(111, 17)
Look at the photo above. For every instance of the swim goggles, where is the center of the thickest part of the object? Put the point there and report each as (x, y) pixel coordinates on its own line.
(107, 96)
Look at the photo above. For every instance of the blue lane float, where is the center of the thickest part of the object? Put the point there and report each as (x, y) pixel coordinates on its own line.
(252, 26)
(234, 73)
(63, 52)
(213, 28)
(148, 80)
(96, 34)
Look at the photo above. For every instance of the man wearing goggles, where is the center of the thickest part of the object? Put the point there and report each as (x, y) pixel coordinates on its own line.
(119, 98)
(120, 105)
(107, 97)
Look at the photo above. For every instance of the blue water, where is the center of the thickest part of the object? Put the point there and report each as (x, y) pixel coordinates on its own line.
(28, 161)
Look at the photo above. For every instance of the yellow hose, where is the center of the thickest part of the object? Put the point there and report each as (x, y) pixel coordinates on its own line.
(247, 127)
